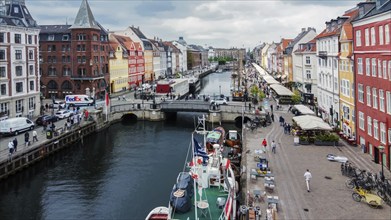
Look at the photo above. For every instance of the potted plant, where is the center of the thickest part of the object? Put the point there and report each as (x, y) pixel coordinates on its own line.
(328, 139)
(303, 140)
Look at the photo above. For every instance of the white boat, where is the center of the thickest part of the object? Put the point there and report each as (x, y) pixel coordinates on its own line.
(210, 193)
(158, 213)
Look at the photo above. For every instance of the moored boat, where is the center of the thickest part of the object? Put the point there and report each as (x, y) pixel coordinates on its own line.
(158, 213)
(233, 139)
(215, 137)
(206, 188)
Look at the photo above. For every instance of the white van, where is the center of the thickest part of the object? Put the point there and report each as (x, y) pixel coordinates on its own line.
(14, 126)
(78, 100)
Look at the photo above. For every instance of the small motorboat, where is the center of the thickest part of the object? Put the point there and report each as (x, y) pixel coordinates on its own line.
(158, 213)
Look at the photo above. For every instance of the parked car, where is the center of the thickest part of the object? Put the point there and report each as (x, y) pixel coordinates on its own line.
(218, 101)
(57, 105)
(15, 126)
(341, 159)
(64, 114)
(47, 118)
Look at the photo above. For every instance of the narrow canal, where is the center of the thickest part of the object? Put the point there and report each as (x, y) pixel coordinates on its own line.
(121, 173)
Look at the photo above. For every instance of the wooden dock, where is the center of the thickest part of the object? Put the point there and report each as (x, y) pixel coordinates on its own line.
(26, 156)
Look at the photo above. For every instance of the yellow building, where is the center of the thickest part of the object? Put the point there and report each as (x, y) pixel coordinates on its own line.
(346, 79)
(148, 59)
(118, 65)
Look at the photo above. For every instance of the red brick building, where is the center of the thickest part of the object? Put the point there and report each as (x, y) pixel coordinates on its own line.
(372, 57)
(74, 58)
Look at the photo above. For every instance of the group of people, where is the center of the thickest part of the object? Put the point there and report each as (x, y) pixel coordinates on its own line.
(13, 144)
(273, 145)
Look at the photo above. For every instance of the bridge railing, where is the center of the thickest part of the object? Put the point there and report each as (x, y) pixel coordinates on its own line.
(133, 107)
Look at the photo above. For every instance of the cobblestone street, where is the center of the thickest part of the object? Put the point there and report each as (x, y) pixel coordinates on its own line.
(329, 197)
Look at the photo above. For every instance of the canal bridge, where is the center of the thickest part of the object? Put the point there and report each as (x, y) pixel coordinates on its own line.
(233, 112)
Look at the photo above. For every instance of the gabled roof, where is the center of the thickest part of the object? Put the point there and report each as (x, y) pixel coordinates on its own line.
(138, 33)
(84, 17)
(347, 26)
(289, 48)
(385, 7)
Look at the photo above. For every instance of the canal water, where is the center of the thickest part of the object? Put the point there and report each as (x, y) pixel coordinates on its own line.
(121, 173)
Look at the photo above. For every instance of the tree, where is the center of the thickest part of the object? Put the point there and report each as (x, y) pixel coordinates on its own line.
(296, 98)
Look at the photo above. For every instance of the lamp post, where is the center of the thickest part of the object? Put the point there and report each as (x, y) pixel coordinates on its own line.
(220, 90)
(381, 149)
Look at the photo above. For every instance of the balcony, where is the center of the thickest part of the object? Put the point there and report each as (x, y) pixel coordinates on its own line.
(322, 54)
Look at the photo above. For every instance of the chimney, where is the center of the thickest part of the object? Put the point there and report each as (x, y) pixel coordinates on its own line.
(302, 29)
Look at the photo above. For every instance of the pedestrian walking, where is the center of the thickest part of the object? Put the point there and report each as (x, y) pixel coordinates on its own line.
(15, 142)
(10, 149)
(271, 107)
(272, 116)
(307, 176)
(264, 144)
(274, 147)
(249, 106)
(290, 108)
(26, 139)
(35, 136)
(45, 126)
(123, 98)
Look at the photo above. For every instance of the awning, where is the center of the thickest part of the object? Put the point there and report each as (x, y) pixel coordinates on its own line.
(281, 90)
(310, 122)
(304, 110)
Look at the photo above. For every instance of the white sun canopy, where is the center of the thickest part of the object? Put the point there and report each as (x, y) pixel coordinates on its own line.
(281, 90)
(304, 110)
(310, 122)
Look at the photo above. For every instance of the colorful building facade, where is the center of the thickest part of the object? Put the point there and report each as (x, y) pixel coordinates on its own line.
(372, 57)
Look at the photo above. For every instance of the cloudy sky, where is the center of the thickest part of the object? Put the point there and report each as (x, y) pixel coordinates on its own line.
(217, 23)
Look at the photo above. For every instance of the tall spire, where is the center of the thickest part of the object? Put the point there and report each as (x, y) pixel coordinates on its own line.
(85, 18)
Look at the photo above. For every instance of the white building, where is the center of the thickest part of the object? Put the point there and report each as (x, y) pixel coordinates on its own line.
(19, 75)
(327, 51)
(182, 46)
(306, 63)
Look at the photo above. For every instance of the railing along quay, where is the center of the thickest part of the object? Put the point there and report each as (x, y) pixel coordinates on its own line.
(36, 153)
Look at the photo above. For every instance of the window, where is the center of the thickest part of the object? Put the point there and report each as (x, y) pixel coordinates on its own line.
(18, 38)
(387, 34)
(31, 103)
(389, 135)
(369, 96)
(81, 37)
(381, 100)
(18, 70)
(307, 60)
(374, 95)
(359, 66)
(95, 37)
(373, 36)
(19, 87)
(3, 73)
(374, 67)
(30, 39)
(65, 37)
(369, 125)
(382, 133)
(31, 55)
(366, 37)
(2, 37)
(19, 106)
(18, 54)
(346, 112)
(381, 39)
(375, 129)
(361, 93)
(379, 73)
(361, 120)
(32, 85)
(358, 38)
(388, 102)
(367, 66)
(51, 37)
(389, 70)
(308, 73)
(3, 89)
(384, 69)
(31, 70)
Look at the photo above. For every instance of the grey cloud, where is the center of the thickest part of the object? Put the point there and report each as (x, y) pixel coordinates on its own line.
(329, 3)
(153, 8)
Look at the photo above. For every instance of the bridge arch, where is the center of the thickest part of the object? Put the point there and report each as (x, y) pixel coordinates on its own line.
(129, 117)
(239, 120)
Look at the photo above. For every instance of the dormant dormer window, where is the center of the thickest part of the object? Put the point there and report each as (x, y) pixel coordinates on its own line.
(51, 37)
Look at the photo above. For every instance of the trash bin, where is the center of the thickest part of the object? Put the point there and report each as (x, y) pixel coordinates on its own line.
(49, 134)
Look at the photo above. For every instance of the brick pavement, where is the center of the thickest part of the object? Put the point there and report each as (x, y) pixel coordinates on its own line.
(329, 197)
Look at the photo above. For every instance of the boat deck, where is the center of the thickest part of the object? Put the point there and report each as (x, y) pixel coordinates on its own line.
(210, 196)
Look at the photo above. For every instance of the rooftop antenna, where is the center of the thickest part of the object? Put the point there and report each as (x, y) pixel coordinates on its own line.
(66, 20)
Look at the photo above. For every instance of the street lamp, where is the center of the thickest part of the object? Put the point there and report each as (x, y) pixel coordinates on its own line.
(381, 149)
(220, 90)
